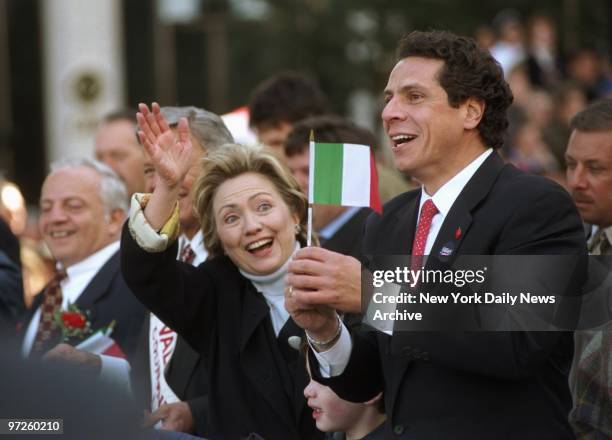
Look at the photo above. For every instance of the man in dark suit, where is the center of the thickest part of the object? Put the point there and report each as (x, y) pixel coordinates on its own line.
(116, 144)
(445, 114)
(83, 205)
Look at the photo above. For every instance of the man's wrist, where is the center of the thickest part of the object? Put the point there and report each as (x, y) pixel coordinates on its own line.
(325, 344)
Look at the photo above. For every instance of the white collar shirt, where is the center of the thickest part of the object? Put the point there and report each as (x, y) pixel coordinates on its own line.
(446, 196)
(197, 246)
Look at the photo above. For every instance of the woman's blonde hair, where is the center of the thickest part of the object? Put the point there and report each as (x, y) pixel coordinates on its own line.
(232, 160)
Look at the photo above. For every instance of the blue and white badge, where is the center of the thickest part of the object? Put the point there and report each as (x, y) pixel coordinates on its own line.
(446, 250)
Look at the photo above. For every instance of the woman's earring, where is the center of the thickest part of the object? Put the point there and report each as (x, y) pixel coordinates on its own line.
(297, 229)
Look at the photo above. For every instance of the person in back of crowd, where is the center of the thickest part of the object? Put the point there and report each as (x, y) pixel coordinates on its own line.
(509, 49)
(585, 68)
(568, 100)
(279, 102)
(589, 177)
(543, 60)
(525, 148)
(116, 144)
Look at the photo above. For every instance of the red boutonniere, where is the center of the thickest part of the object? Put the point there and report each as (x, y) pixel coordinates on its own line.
(73, 323)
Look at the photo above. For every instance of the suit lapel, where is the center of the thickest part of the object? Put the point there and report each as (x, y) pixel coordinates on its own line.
(256, 355)
(98, 286)
(450, 236)
(399, 233)
(459, 218)
(254, 312)
(300, 376)
(179, 371)
(29, 314)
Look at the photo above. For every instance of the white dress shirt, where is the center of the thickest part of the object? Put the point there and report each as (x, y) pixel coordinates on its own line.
(197, 246)
(333, 361)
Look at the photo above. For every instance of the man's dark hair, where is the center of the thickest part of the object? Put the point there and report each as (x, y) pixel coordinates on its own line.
(285, 97)
(468, 72)
(596, 117)
(326, 128)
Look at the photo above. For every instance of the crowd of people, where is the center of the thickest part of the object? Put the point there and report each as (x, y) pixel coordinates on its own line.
(188, 255)
(549, 85)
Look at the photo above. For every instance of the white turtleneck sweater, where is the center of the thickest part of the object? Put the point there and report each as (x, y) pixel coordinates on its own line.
(272, 287)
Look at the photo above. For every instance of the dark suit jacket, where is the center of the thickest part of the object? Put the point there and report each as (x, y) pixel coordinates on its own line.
(221, 315)
(186, 374)
(12, 305)
(347, 239)
(11, 296)
(463, 385)
(107, 298)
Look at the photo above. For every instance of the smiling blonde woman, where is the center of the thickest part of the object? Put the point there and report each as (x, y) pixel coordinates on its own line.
(231, 307)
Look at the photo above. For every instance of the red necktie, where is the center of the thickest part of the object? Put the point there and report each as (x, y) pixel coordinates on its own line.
(187, 254)
(51, 304)
(420, 239)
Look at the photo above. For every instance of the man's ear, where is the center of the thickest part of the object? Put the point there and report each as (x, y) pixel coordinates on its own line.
(474, 111)
(115, 220)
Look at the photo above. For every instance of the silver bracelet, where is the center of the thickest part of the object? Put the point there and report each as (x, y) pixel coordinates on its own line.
(327, 343)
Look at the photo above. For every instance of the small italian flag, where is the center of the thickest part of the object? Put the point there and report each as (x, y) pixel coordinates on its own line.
(343, 174)
(101, 343)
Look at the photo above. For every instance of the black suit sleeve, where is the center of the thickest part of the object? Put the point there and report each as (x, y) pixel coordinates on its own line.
(182, 296)
(370, 379)
(11, 294)
(199, 412)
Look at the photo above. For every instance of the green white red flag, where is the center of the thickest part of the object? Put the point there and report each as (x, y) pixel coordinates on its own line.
(343, 174)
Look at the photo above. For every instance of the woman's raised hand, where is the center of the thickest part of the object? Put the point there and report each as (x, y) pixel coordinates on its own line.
(169, 152)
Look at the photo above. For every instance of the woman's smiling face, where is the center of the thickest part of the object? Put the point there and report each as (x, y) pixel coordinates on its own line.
(255, 225)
